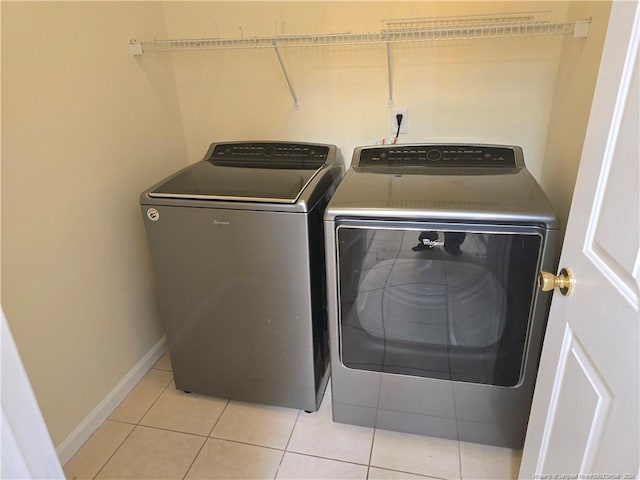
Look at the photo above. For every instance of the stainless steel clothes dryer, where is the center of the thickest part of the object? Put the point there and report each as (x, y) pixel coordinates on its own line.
(435, 320)
(237, 247)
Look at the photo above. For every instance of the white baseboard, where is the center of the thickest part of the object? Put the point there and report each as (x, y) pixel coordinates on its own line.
(92, 422)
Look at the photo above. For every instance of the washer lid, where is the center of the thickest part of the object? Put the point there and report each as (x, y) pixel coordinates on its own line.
(251, 172)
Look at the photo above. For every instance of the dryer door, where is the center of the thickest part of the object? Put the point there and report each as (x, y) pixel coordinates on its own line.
(445, 301)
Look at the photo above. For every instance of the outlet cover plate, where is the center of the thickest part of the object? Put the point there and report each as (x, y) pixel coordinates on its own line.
(405, 120)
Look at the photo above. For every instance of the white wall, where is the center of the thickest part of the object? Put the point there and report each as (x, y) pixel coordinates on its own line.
(577, 74)
(85, 128)
(491, 90)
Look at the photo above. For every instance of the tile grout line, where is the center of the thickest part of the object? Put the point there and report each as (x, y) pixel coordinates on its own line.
(405, 471)
(237, 442)
(332, 459)
(373, 439)
(152, 403)
(91, 436)
(205, 439)
(117, 421)
(326, 397)
(204, 442)
(115, 451)
(459, 459)
(163, 429)
(426, 477)
(224, 409)
(128, 423)
(455, 414)
(170, 370)
(286, 447)
(156, 400)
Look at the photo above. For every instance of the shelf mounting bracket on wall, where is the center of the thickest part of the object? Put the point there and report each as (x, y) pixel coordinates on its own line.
(389, 78)
(285, 73)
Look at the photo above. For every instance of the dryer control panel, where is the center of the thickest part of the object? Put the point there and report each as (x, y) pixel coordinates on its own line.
(447, 156)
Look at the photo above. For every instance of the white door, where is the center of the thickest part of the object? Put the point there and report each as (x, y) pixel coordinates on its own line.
(584, 417)
(27, 451)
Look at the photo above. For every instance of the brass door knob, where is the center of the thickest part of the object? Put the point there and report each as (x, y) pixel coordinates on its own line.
(563, 281)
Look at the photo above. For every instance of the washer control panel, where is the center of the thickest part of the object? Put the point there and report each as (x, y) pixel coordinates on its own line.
(437, 156)
(270, 155)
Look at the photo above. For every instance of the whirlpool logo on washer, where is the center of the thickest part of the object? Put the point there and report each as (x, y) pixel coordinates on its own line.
(153, 214)
(220, 222)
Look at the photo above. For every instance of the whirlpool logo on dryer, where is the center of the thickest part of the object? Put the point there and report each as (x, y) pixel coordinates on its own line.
(220, 222)
(432, 243)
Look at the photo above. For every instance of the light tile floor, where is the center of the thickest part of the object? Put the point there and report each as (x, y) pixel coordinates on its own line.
(158, 432)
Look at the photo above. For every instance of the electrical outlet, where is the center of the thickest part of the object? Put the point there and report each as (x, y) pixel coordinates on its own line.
(403, 124)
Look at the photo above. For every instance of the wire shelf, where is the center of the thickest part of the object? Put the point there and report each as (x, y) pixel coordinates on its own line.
(396, 31)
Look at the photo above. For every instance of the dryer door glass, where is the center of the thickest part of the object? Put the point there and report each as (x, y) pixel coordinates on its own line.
(437, 303)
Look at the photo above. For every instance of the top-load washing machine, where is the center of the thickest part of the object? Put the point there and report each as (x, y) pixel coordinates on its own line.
(435, 319)
(237, 247)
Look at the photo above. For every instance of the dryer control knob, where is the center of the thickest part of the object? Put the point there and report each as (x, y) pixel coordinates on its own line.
(434, 155)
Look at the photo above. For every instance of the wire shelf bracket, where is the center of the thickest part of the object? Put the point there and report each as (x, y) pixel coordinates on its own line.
(389, 75)
(286, 75)
(427, 29)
